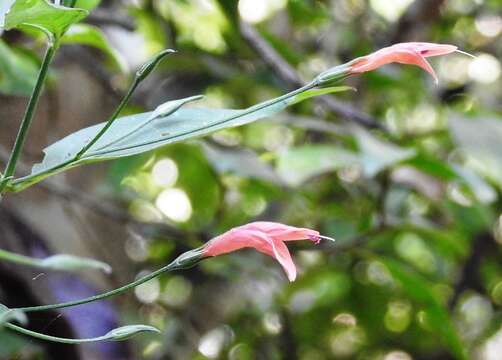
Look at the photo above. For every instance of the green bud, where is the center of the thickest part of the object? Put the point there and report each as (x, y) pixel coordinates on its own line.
(125, 332)
(150, 65)
(7, 315)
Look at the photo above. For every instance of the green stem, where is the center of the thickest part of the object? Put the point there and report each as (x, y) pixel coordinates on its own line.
(52, 338)
(184, 261)
(111, 120)
(18, 259)
(28, 116)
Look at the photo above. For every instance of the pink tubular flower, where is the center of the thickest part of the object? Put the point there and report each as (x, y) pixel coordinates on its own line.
(413, 53)
(266, 237)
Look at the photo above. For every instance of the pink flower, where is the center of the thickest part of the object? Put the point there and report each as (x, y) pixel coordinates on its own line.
(413, 53)
(266, 237)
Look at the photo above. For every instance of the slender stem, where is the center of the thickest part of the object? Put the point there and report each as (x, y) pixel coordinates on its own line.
(184, 261)
(53, 338)
(111, 120)
(28, 116)
(18, 259)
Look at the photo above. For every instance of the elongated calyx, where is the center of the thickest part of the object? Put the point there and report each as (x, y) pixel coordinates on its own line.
(266, 237)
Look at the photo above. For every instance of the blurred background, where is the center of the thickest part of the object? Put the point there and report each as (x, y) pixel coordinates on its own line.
(406, 175)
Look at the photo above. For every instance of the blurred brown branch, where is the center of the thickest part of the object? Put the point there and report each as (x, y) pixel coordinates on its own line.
(419, 15)
(288, 74)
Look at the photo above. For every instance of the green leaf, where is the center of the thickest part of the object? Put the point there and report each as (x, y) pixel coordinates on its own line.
(89, 35)
(18, 71)
(181, 125)
(7, 315)
(87, 4)
(432, 166)
(73, 263)
(128, 331)
(375, 154)
(318, 92)
(296, 165)
(420, 290)
(50, 18)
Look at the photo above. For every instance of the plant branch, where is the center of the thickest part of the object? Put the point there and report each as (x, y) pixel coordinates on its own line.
(28, 116)
(18, 259)
(184, 261)
(40, 336)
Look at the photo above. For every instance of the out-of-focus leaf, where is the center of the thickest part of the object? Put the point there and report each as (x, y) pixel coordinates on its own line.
(432, 166)
(89, 35)
(480, 140)
(151, 28)
(43, 15)
(73, 263)
(296, 165)
(181, 125)
(242, 162)
(419, 290)
(483, 191)
(18, 72)
(375, 155)
(87, 4)
(7, 315)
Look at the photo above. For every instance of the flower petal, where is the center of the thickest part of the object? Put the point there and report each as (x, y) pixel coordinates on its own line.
(414, 58)
(282, 255)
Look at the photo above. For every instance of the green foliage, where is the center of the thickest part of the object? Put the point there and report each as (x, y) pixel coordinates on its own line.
(92, 36)
(18, 71)
(43, 15)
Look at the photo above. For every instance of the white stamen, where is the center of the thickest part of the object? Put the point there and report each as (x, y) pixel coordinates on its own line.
(465, 53)
(326, 238)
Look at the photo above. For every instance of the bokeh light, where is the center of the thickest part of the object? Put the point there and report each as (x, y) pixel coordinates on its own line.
(489, 25)
(485, 68)
(165, 172)
(390, 10)
(174, 204)
(255, 11)
(148, 292)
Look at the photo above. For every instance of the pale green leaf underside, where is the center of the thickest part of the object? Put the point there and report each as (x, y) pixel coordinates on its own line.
(42, 14)
(186, 123)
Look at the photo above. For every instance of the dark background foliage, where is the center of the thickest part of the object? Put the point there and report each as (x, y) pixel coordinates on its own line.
(405, 174)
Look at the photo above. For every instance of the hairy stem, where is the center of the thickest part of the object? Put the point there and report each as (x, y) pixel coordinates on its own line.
(184, 261)
(18, 259)
(52, 338)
